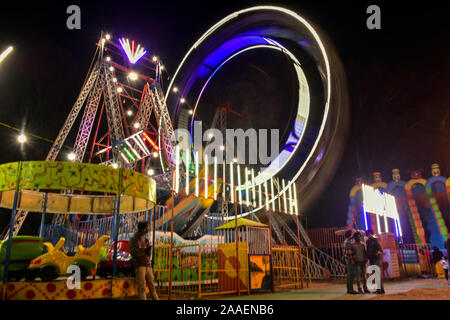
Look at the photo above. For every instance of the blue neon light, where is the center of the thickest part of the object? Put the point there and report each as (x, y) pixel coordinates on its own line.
(365, 219)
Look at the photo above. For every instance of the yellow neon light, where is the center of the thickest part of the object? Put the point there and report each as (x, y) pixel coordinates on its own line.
(196, 173)
(215, 178)
(177, 168)
(5, 53)
(206, 176)
(231, 182)
(188, 162)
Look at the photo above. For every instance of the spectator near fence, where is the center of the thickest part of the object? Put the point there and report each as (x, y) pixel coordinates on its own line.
(140, 250)
(375, 256)
(444, 266)
(349, 261)
(360, 259)
(447, 247)
(436, 255)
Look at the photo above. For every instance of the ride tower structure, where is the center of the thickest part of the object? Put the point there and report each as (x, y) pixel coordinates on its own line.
(124, 118)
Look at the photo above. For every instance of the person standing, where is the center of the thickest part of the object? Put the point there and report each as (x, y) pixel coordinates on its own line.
(444, 266)
(360, 260)
(375, 256)
(447, 246)
(140, 250)
(348, 261)
(436, 255)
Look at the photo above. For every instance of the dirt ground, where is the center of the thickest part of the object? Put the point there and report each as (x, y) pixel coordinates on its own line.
(423, 289)
(407, 289)
(418, 294)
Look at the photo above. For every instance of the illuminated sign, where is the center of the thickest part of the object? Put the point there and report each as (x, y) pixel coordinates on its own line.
(382, 205)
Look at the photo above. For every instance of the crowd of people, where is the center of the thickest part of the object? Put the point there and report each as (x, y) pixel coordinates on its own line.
(357, 255)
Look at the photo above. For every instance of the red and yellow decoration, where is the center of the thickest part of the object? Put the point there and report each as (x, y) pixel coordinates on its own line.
(58, 290)
(228, 264)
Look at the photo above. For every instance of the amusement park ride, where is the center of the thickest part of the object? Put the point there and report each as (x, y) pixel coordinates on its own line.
(125, 161)
(423, 206)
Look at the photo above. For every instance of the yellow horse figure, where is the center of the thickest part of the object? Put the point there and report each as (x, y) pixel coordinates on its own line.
(55, 262)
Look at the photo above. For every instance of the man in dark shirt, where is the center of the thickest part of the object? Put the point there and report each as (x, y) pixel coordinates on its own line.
(140, 250)
(348, 261)
(436, 255)
(375, 256)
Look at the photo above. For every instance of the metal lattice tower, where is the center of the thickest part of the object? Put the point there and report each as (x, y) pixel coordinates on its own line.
(302, 232)
(62, 135)
(220, 122)
(87, 121)
(277, 230)
(146, 107)
(165, 128)
(102, 83)
(113, 114)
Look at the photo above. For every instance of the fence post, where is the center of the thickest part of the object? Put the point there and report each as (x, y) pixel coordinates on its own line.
(171, 238)
(41, 229)
(300, 253)
(116, 228)
(199, 271)
(11, 230)
(270, 250)
(236, 236)
(309, 269)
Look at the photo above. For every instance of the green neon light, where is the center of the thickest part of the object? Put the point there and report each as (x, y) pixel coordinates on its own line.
(128, 153)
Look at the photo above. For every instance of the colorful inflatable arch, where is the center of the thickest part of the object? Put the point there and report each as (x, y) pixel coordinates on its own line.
(380, 185)
(355, 212)
(437, 197)
(397, 188)
(423, 206)
(420, 207)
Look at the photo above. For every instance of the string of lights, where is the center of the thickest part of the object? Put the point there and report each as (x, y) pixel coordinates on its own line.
(22, 138)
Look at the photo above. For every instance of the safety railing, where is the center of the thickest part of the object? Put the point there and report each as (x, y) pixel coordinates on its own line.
(289, 268)
(416, 260)
(323, 237)
(199, 270)
(87, 232)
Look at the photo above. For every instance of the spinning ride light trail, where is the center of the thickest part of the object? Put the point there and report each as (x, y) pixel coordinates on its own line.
(6, 53)
(288, 33)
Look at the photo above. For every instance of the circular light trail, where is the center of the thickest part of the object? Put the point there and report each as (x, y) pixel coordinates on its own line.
(322, 95)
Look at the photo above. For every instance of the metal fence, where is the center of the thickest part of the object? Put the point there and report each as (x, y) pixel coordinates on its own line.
(416, 260)
(290, 269)
(198, 270)
(323, 237)
(87, 232)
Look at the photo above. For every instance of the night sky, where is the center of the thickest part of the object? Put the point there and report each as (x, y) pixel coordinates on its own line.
(398, 77)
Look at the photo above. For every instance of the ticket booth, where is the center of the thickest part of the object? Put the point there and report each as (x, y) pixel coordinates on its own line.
(255, 263)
